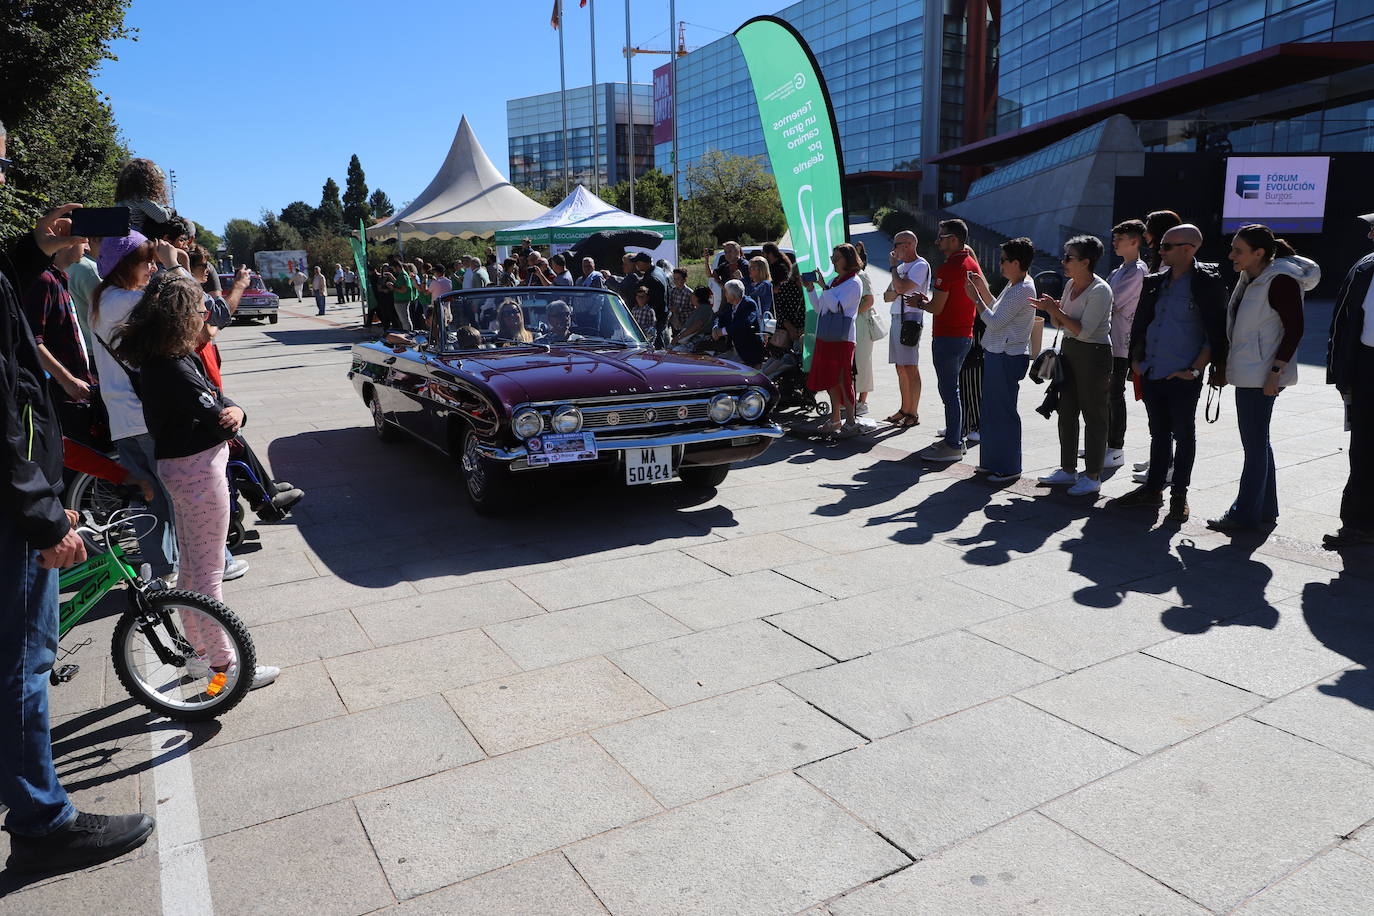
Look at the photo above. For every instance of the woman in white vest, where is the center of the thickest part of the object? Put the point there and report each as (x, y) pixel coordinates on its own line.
(1264, 324)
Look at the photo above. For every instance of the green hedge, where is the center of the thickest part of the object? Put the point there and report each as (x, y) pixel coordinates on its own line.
(892, 221)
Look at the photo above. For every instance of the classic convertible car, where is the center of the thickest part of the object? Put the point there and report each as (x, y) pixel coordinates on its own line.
(545, 380)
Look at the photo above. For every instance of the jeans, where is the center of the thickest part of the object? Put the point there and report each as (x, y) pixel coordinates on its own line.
(1116, 405)
(1357, 502)
(159, 543)
(1171, 405)
(948, 355)
(28, 645)
(1000, 451)
(319, 303)
(1257, 503)
(1089, 371)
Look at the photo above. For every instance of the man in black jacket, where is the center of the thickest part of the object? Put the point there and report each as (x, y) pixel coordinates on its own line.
(657, 281)
(1350, 367)
(36, 539)
(1179, 327)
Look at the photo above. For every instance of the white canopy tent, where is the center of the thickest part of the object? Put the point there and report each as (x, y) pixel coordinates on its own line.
(581, 214)
(468, 197)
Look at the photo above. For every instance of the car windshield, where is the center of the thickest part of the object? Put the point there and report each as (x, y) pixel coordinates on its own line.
(227, 280)
(560, 316)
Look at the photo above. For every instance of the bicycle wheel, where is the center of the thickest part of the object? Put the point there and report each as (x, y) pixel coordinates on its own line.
(101, 499)
(185, 656)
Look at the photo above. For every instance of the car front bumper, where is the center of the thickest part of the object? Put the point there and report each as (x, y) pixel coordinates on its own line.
(254, 310)
(721, 445)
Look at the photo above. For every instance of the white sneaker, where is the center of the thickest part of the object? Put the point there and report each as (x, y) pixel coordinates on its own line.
(1143, 476)
(1115, 458)
(264, 675)
(974, 436)
(1138, 466)
(861, 409)
(848, 430)
(197, 667)
(235, 570)
(1085, 486)
(1059, 478)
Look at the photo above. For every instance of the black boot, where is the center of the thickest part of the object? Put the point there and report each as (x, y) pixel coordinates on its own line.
(85, 840)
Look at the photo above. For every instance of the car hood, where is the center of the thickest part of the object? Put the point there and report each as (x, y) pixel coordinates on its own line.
(574, 374)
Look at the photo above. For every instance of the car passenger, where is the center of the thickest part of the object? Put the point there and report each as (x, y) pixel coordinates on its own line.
(510, 324)
(560, 324)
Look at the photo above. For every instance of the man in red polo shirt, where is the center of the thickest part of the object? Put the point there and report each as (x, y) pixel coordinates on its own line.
(952, 334)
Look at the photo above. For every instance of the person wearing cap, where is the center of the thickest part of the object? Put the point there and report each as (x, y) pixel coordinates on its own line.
(127, 263)
(1178, 329)
(1350, 367)
(656, 281)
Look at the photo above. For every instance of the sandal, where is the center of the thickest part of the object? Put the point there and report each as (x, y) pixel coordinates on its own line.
(895, 419)
(909, 421)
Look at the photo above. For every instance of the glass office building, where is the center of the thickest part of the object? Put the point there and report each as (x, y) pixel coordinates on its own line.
(534, 133)
(942, 91)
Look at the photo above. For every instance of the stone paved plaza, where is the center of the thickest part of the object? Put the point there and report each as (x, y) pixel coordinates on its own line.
(842, 684)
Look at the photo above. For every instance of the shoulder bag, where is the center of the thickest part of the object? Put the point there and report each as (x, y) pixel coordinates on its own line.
(1045, 367)
(874, 324)
(834, 327)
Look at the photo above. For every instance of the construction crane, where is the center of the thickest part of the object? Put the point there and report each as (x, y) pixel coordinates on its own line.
(681, 45)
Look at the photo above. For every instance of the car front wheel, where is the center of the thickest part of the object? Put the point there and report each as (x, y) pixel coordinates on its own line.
(271, 319)
(704, 477)
(487, 482)
(385, 431)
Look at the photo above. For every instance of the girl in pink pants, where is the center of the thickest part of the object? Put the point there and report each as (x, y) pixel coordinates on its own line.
(198, 485)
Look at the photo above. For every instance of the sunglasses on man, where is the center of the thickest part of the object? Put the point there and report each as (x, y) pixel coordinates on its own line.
(1170, 246)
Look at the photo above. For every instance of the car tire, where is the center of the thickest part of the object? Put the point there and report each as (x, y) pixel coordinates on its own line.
(704, 477)
(272, 319)
(385, 430)
(486, 482)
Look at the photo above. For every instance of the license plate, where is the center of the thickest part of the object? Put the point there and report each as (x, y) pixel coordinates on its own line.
(649, 465)
(561, 448)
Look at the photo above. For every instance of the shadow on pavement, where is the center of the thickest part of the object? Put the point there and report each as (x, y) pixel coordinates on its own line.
(1340, 614)
(84, 746)
(343, 337)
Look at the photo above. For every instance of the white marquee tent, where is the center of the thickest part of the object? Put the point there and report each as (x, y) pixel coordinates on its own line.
(468, 197)
(581, 214)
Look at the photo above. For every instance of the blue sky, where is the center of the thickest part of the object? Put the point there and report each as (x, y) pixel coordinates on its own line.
(253, 104)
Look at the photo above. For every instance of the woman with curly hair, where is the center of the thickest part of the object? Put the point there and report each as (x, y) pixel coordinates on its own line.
(191, 423)
(142, 188)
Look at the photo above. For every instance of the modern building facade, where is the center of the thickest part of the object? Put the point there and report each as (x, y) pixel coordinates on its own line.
(930, 95)
(534, 132)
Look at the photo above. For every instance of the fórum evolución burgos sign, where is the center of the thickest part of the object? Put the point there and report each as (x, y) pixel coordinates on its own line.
(802, 140)
(1286, 193)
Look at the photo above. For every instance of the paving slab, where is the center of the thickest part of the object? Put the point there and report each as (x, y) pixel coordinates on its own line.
(550, 639)
(333, 868)
(459, 824)
(889, 617)
(546, 886)
(713, 662)
(1141, 703)
(869, 570)
(415, 669)
(521, 710)
(1328, 884)
(314, 596)
(895, 689)
(750, 554)
(1044, 578)
(248, 782)
(593, 582)
(1362, 843)
(1223, 815)
(300, 695)
(773, 847)
(722, 602)
(1267, 652)
(1070, 635)
(707, 747)
(1030, 866)
(473, 567)
(308, 639)
(448, 611)
(936, 784)
(125, 888)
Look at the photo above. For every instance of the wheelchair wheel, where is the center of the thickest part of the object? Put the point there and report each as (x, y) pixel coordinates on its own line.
(237, 530)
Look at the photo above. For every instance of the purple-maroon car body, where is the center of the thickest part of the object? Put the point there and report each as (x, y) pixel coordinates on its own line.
(634, 400)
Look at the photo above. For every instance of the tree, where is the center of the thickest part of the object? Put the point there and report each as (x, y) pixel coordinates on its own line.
(653, 196)
(243, 237)
(380, 204)
(62, 134)
(329, 216)
(207, 238)
(299, 215)
(729, 197)
(326, 249)
(278, 236)
(355, 205)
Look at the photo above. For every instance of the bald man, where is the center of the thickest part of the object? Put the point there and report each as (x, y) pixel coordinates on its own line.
(1179, 327)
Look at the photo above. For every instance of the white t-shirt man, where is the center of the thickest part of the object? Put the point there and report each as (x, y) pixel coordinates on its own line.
(918, 272)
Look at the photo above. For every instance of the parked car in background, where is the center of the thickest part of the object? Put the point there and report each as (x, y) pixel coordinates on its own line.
(584, 392)
(257, 302)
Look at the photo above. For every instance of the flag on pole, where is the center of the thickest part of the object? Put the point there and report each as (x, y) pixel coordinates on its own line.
(583, 3)
(557, 18)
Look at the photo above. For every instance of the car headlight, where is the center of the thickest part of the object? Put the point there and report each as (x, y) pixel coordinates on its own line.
(722, 408)
(567, 419)
(752, 404)
(527, 423)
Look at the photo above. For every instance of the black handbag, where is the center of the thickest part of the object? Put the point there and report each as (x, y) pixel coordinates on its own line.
(911, 330)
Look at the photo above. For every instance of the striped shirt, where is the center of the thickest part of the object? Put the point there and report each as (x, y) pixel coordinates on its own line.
(1009, 320)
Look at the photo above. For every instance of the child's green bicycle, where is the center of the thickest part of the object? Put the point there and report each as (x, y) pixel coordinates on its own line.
(153, 658)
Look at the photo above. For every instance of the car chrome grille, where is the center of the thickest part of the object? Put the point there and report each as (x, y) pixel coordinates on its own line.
(640, 415)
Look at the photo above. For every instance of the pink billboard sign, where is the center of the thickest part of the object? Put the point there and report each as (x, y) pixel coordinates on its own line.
(663, 104)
